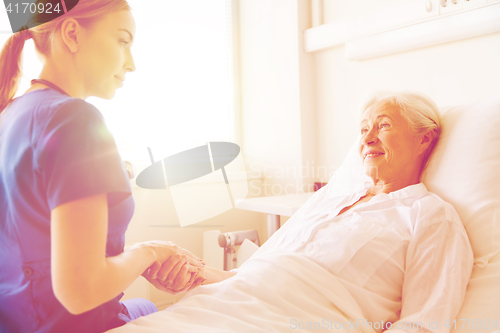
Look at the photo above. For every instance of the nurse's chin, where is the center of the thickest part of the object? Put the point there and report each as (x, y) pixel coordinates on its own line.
(109, 94)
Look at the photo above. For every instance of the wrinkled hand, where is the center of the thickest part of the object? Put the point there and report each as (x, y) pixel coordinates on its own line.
(176, 275)
(202, 276)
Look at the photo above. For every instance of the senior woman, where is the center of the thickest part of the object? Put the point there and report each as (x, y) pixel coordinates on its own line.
(389, 254)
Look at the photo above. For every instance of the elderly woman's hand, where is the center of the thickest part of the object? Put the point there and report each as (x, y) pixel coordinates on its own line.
(175, 268)
(176, 275)
(200, 278)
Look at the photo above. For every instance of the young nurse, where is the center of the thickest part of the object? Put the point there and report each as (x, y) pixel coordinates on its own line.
(65, 198)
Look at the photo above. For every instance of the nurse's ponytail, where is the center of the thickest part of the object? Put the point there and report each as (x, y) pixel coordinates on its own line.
(10, 66)
(85, 12)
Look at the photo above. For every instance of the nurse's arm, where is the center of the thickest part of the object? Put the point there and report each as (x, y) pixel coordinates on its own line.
(82, 276)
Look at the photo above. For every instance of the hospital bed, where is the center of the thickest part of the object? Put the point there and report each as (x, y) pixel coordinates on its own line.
(465, 171)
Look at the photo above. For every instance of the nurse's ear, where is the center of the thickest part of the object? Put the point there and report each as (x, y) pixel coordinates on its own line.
(71, 34)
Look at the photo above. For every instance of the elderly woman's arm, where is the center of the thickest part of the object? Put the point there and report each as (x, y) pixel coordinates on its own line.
(438, 268)
(174, 281)
(213, 275)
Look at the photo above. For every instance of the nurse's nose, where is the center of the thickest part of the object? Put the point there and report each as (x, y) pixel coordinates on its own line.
(129, 64)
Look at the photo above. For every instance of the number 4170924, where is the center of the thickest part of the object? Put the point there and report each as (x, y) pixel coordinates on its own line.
(471, 324)
(32, 8)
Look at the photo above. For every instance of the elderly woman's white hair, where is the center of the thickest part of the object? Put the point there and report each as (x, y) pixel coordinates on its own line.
(417, 108)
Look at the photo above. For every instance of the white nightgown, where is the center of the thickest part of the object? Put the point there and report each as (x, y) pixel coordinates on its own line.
(401, 255)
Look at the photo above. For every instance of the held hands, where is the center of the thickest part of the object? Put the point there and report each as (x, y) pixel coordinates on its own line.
(176, 270)
(176, 275)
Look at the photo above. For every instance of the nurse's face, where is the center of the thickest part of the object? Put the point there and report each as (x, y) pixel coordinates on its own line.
(104, 55)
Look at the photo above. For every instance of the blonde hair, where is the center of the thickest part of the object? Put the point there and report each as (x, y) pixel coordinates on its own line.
(85, 12)
(419, 110)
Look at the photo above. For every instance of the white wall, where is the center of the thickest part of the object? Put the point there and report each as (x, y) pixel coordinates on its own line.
(452, 73)
(299, 110)
(277, 93)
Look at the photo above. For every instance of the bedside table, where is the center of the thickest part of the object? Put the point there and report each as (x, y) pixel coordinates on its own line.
(274, 207)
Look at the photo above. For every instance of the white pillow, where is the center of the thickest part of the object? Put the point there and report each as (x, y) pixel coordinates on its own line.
(349, 176)
(465, 171)
(480, 312)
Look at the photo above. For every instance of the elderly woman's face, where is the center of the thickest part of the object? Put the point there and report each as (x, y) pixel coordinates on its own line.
(389, 148)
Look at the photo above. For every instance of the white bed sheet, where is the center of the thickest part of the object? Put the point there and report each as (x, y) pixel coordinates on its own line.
(256, 302)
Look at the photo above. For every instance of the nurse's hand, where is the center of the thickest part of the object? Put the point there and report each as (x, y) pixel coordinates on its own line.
(179, 284)
(176, 275)
(163, 250)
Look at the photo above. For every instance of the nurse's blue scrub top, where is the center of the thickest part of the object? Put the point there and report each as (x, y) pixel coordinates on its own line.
(53, 149)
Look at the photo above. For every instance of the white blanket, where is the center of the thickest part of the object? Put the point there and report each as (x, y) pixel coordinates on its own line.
(279, 291)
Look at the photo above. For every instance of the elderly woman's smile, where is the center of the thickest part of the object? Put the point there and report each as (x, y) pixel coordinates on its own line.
(390, 149)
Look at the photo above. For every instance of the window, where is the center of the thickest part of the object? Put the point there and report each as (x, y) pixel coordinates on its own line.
(182, 92)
